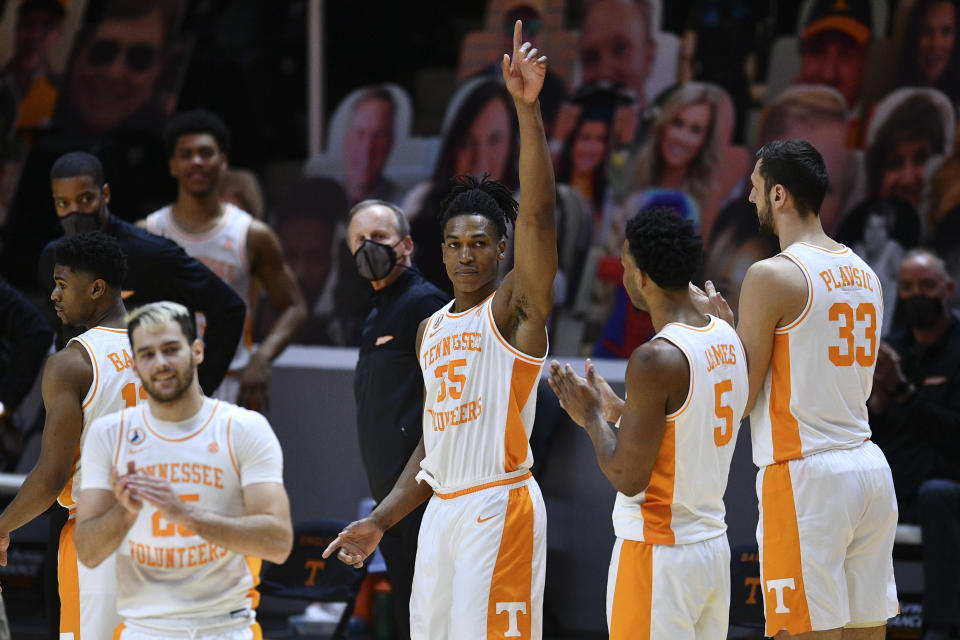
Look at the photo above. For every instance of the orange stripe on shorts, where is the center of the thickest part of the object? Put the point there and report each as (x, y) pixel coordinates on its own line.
(509, 609)
(633, 594)
(68, 580)
(784, 597)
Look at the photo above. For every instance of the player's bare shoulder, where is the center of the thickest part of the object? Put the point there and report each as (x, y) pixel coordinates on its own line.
(658, 363)
(69, 368)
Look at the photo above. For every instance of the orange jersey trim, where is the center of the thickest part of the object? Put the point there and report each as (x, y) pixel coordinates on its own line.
(96, 372)
(109, 329)
(516, 352)
(657, 507)
(809, 305)
(525, 375)
(633, 595)
(476, 307)
(146, 422)
(481, 487)
(513, 572)
(836, 252)
(687, 400)
(118, 631)
(781, 554)
(116, 454)
(784, 428)
(233, 460)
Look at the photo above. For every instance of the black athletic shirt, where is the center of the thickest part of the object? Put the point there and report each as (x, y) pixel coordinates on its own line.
(387, 383)
(25, 338)
(159, 269)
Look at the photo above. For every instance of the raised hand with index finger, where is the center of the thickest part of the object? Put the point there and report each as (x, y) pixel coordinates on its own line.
(523, 70)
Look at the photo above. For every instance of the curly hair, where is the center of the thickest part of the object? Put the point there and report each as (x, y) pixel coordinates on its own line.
(665, 246)
(488, 198)
(95, 253)
(196, 121)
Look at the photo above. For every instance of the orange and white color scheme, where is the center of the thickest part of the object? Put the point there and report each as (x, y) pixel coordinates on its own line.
(823, 566)
(88, 596)
(481, 555)
(223, 250)
(170, 580)
(673, 533)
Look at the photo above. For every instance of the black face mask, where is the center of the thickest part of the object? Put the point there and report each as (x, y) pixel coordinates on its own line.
(374, 260)
(922, 312)
(74, 223)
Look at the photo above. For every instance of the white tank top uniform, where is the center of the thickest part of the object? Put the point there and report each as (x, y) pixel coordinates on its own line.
(168, 577)
(684, 501)
(223, 250)
(87, 596)
(672, 534)
(481, 555)
(825, 563)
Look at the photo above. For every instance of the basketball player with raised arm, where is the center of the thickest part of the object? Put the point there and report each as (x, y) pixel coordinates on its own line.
(90, 377)
(188, 491)
(670, 456)
(810, 320)
(481, 553)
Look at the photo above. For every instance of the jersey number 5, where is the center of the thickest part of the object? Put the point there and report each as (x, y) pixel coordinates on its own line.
(722, 435)
(865, 357)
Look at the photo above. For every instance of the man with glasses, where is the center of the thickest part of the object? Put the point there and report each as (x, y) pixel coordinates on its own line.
(115, 70)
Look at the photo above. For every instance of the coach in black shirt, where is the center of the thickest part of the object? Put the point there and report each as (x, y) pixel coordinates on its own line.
(915, 418)
(157, 268)
(387, 384)
(25, 339)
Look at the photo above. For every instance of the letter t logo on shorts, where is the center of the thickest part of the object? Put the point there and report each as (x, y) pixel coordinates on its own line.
(512, 608)
(777, 586)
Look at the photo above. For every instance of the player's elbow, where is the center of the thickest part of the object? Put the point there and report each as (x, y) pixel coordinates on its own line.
(86, 553)
(631, 482)
(282, 546)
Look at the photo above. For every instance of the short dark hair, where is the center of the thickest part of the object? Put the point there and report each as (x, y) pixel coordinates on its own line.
(93, 252)
(488, 198)
(196, 121)
(76, 164)
(665, 246)
(799, 167)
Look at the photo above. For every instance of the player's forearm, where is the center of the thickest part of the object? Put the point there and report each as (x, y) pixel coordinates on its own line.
(536, 168)
(98, 537)
(625, 476)
(407, 494)
(223, 333)
(283, 331)
(38, 491)
(261, 535)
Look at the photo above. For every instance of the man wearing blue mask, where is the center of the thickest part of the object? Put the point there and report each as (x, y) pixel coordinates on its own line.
(387, 385)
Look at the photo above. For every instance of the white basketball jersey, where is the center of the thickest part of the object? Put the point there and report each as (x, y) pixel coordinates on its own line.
(814, 397)
(480, 402)
(684, 501)
(114, 386)
(164, 570)
(223, 250)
